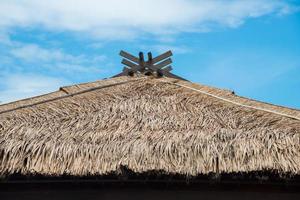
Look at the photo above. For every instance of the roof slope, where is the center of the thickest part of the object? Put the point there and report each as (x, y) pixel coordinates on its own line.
(145, 123)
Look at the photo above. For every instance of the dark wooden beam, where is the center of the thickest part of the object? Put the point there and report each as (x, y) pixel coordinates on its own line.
(129, 56)
(159, 65)
(167, 69)
(163, 63)
(150, 59)
(133, 66)
(162, 57)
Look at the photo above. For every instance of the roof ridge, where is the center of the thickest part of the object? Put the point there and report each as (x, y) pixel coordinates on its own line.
(69, 95)
(235, 102)
(221, 94)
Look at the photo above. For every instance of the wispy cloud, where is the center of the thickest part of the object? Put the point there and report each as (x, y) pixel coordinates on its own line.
(18, 82)
(117, 19)
(34, 53)
(20, 86)
(29, 69)
(37, 54)
(31, 55)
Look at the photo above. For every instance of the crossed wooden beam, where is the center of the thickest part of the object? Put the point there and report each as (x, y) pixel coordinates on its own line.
(159, 66)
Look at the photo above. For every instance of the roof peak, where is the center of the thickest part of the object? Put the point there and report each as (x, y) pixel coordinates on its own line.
(158, 66)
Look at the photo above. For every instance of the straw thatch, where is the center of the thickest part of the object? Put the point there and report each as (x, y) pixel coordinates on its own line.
(145, 123)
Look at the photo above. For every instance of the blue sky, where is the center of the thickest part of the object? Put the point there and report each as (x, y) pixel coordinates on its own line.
(251, 47)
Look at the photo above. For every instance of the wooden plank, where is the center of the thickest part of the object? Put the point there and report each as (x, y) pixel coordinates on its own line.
(163, 63)
(141, 57)
(126, 70)
(150, 57)
(133, 66)
(167, 69)
(162, 57)
(129, 56)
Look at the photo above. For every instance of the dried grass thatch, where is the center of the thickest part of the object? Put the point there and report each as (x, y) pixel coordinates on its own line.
(146, 124)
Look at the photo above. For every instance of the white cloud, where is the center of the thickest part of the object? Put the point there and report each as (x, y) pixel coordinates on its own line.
(117, 19)
(32, 52)
(27, 85)
(29, 69)
(4, 38)
(56, 58)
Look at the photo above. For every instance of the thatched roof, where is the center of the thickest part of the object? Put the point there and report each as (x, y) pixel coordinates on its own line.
(146, 124)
